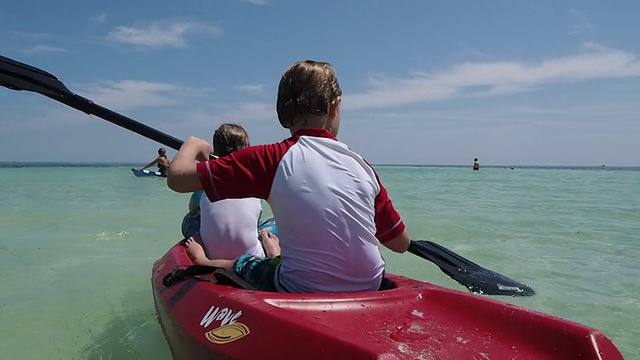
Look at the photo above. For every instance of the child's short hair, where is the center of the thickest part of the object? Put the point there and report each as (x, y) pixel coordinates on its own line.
(306, 88)
(162, 151)
(229, 138)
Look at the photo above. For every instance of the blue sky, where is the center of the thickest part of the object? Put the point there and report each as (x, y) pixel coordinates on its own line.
(424, 82)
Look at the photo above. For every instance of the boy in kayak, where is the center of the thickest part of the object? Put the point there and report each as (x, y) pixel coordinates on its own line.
(162, 161)
(331, 209)
(226, 228)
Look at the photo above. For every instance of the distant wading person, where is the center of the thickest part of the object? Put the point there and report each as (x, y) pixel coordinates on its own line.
(476, 165)
(162, 161)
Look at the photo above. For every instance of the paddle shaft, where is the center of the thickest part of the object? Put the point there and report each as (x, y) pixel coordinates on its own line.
(19, 76)
(89, 107)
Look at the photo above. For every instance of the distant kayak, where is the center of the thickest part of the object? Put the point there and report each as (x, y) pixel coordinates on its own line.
(141, 173)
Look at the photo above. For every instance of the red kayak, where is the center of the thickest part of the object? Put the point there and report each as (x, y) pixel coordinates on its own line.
(203, 319)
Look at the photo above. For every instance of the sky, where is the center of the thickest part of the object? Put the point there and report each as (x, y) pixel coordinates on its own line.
(423, 82)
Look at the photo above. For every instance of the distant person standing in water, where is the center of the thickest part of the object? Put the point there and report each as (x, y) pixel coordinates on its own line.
(476, 165)
(162, 161)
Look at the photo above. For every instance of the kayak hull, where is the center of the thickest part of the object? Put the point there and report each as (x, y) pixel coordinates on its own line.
(143, 173)
(414, 320)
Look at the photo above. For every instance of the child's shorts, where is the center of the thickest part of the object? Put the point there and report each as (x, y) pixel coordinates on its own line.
(257, 271)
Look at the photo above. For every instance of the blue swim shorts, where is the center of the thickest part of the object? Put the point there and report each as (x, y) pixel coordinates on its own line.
(257, 271)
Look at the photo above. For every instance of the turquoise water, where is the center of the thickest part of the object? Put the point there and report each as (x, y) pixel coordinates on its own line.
(77, 245)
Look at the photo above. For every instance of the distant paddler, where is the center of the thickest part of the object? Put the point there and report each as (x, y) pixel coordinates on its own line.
(162, 161)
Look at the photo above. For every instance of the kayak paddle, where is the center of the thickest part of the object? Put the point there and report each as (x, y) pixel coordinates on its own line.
(467, 273)
(19, 76)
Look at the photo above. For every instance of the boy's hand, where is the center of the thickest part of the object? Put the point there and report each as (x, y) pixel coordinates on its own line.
(202, 147)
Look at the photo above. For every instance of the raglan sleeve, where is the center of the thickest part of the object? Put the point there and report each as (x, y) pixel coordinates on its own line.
(247, 172)
(388, 221)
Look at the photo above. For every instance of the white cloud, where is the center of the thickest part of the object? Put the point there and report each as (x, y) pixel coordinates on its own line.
(470, 51)
(132, 94)
(34, 36)
(251, 111)
(247, 111)
(257, 88)
(100, 19)
(42, 118)
(495, 78)
(161, 34)
(234, 113)
(201, 122)
(42, 49)
(576, 113)
(582, 23)
(129, 94)
(255, 2)
(33, 43)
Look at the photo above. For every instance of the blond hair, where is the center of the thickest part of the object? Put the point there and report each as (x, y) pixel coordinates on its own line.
(306, 88)
(229, 138)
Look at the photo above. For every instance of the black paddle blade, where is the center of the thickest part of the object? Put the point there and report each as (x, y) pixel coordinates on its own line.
(18, 76)
(469, 274)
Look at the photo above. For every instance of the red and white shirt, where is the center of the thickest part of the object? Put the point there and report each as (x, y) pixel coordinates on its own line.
(330, 206)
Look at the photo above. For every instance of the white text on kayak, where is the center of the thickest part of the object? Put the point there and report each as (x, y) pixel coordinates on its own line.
(226, 315)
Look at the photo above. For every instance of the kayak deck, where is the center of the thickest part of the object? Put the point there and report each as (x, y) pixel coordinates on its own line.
(414, 320)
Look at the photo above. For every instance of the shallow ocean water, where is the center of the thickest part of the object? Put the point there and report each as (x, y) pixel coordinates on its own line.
(77, 245)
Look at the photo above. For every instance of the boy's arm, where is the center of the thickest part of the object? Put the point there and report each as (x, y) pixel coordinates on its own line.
(399, 243)
(390, 230)
(183, 176)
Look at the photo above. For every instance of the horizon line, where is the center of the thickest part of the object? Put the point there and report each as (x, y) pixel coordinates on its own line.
(129, 163)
